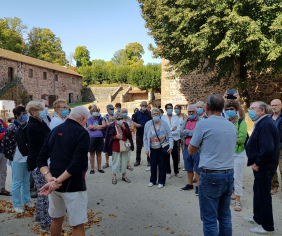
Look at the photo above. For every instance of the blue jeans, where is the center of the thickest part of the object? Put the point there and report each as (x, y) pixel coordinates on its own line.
(215, 191)
(20, 184)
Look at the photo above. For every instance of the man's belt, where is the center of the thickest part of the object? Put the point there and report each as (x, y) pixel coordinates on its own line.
(215, 171)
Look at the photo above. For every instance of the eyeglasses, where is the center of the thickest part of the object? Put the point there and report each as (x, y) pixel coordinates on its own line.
(111, 109)
(144, 105)
(118, 118)
(191, 112)
(230, 109)
(64, 107)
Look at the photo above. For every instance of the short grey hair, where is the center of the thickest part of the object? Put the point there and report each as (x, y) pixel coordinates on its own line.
(123, 109)
(263, 105)
(117, 114)
(34, 106)
(156, 110)
(192, 106)
(79, 111)
(200, 102)
(215, 102)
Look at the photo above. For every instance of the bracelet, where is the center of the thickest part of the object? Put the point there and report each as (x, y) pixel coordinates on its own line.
(46, 173)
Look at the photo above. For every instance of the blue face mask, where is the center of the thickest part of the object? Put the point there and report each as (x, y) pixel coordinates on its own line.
(124, 115)
(200, 110)
(231, 114)
(112, 112)
(156, 118)
(65, 112)
(252, 115)
(192, 117)
(144, 108)
(177, 111)
(42, 115)
(23, 118)
(118, 109)
(169, 111)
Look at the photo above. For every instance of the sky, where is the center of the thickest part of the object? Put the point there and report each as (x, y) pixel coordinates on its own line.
(103, 26)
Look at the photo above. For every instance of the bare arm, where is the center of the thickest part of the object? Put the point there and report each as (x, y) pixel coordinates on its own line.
(192, 149)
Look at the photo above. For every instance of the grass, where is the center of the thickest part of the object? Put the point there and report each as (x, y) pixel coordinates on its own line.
(72, 105)
(106, 85)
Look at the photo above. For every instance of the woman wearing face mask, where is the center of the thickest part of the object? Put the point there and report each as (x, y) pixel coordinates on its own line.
(157, 132)
(61, 111)
(128, 121)
(118, 130)
(37, 131)
(231, 108)
(95, 125)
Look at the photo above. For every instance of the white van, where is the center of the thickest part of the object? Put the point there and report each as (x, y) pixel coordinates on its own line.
(8, 105)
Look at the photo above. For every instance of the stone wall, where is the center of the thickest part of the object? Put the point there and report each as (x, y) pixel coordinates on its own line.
(102, 93)
(138, 96)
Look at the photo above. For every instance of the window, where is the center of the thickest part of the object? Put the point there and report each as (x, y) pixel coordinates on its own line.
(45, 75)
(30, 73)
(73, 80)
(10, 73)
(56, 77)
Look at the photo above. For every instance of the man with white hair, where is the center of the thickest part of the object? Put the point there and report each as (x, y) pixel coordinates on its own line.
(48, 119)
(201, 110)
(67, 146)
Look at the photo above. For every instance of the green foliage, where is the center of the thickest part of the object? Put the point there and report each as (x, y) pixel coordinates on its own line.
(82, 56)
(134, 52)
(120, 57)
(44, 45)
(11, 30)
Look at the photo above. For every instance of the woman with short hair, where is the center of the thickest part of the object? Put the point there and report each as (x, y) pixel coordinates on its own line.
(116, 132)
(157, 138)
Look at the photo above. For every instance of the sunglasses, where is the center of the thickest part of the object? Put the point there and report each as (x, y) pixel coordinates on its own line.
(119, 119)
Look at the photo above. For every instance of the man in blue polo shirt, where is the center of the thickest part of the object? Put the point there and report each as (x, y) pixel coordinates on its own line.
(140, 119)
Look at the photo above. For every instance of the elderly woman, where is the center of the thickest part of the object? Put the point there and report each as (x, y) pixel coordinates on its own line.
(157, 136)
(128, 121)
(118, 130)
(37, 131)
(95, 125)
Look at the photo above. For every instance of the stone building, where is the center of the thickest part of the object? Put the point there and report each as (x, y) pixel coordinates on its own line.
(39, 79)
(191, 88)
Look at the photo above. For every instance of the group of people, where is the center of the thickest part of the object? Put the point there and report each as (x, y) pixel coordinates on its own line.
(212, 136)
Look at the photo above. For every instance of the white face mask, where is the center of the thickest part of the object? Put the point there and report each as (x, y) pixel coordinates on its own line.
(96, 114)
(119, 122)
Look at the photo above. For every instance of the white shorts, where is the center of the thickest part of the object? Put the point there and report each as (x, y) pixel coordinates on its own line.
(74, 203)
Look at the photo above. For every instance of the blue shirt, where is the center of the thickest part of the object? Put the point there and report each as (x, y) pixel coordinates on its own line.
(142, 119)
(216, 139)
(277, 120)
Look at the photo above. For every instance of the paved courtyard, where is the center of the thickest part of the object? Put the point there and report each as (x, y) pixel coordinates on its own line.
(135, 209)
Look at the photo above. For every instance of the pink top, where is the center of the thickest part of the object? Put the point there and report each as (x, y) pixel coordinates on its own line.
(191, 126)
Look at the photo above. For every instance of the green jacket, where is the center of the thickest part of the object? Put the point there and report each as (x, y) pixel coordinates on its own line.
(242, 135)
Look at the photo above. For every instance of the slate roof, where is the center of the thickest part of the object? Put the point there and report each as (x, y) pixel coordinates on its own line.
(36, 62)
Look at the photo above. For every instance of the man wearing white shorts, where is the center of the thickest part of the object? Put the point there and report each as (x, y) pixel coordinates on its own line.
(67, 146)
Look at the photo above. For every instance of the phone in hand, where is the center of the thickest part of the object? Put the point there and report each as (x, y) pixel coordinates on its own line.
(230, 94)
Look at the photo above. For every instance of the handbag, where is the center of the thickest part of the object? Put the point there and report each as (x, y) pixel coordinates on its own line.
(164, 144)
(124, 146)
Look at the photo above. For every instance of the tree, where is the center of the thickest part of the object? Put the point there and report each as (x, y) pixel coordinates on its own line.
(11, 30)
(120, 57)
(82, 56)
(70, 59)
(216, 35)
(134, 52)
(44, 45)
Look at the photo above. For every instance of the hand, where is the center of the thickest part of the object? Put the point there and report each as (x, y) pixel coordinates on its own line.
(169, 150)
(51, 179)
(131, 130)
(147, 154)
(119, 136)
(174, 128)
(49, 188)
(237, 97)
(138, 125)
(255, 167)
(225, 96)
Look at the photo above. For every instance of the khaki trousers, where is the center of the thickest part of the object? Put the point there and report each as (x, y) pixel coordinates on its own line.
(275, 181)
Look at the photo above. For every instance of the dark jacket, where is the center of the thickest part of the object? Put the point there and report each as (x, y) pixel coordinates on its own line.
(22, 140)
(110, 133)
(67, 146)
(37, 132)
(279, 127)
(263, 145)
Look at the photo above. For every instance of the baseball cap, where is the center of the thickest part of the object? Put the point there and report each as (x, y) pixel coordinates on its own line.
(110, 106)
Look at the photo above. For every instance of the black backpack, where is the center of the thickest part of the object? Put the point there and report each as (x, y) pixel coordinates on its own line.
(22, 141)
(100, 123)
(246, 141)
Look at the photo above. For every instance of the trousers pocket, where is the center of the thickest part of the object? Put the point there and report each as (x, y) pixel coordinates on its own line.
(213, 189)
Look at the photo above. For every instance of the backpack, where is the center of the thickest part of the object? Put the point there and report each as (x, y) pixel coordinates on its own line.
(22, 141)
(100, 119)
(247, 139)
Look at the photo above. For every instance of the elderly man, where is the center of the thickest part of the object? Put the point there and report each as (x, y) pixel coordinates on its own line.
(61, 111)
(191, 162)
(276, 116)
(215, 138)
(48, 119)
(67, 146)
(201, 110)
(263, 153)
(140, 119)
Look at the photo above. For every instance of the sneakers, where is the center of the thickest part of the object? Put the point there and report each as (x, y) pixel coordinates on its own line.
(187, 187)
(29, 204)
(273, 190)
(150, 184)
(149, 168)
(168, 176)
(178, 175)
(45, 229)
(137, 163)
(179, 166)
(250, 219)
(160, 185)
(33, 194)
(197, 191)
(19, 209)
(261, 230)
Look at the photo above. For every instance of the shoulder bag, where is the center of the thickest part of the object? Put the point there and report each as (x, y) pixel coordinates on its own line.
(124, 146)
(164, 144)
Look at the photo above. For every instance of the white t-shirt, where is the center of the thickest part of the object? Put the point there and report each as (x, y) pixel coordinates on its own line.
(18, 157)
(56, 121)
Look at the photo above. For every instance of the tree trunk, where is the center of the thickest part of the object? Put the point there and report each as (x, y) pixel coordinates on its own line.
(243, 79)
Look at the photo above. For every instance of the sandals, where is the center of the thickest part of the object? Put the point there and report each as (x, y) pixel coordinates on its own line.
(126, 180)
(5, 193)
(106, 166)
(92, 171)
(129, 168)
(114, 181)
(237, 206)
(101, 171)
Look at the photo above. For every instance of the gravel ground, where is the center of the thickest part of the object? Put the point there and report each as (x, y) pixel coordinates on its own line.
(135, 209)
